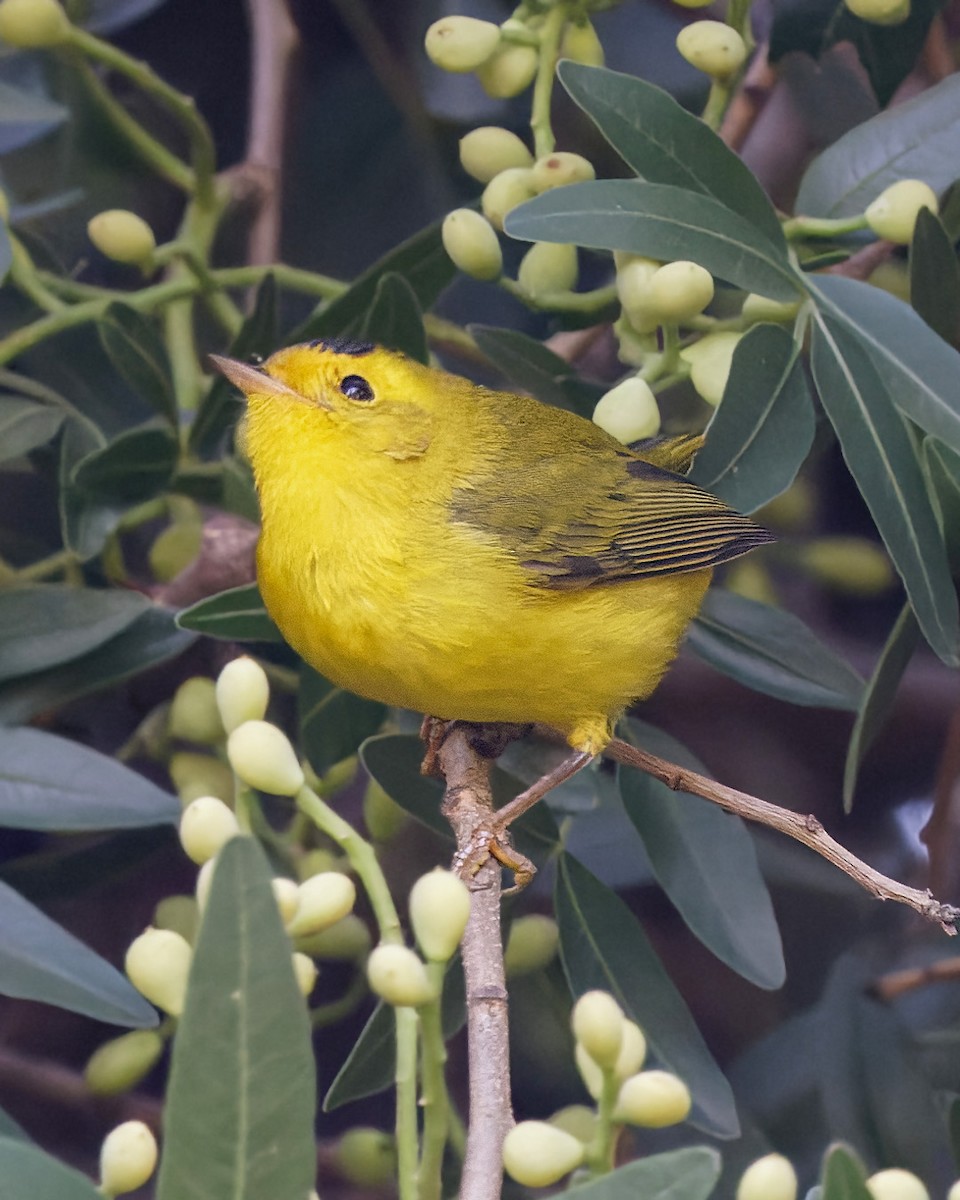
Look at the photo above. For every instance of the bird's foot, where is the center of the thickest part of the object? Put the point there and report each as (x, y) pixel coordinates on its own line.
(493, 841)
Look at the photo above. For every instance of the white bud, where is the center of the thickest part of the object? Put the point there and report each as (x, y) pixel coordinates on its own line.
(305, 969)
(439, 909)
(398, 976)
(158, 964)
(654, 1099)
(597, 1022)
(128, 1157)
(263, 758)
(896, 1184)
(769, 1178)
(537, 1154)
(323, 900)
(287, 895)
(243, 692)
(629, 411)
(206, 824)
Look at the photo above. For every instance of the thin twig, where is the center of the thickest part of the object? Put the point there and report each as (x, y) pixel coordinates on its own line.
(899, 983)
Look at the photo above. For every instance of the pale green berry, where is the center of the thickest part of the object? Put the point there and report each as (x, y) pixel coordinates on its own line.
(633, 290)
(461, 44)
(398, 976)
(472, 244)
(121, 235)
(505, 191)
(633, 1050)
(323, 900)
(119, 1064)
(204, 880)
(205, 826)
(560, 169)
(196, 775)
(158, 964)
(548, 267)
(128, 1158)
(242, 692)
(174, 548)
(880, 12)
(508, 71)
(712, 47)
(693, 3)
(761, 308)
(346, 941)
(531, 944)
(179, 913)
(769, 1178)
(287, 895)
(536, 1154)
(580, 43)
(318, 860)
(194, 715)
(629, 411)
(590, 1073)
(305, 970)
(710, 359)
(680, 290)
(488, 150)
(367, 1157)
(597, 1023)
(578, 1120)
(653, 1099)
(264, 759)
(854, 566)
(896, 1184)
(954, 1192)
(32, 24)
(894, 213)
(382, 815)
(439, 907)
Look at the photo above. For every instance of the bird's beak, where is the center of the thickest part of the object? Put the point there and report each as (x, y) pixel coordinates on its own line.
(252, 381)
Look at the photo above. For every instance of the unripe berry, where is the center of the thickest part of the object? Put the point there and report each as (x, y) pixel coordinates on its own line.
(894, 213)
(398, 976)
(323, 900)
(769, 1178)
(119, 1064)
(264, 759)
(508, 71)
(157, 964)
(367, 1157)
(505, 191)
(472, 244)
(197, 775)
(128, 1157)
(712, 47)
(954, 1191)
(896, 1184)
(179, 913)
(852, 565)
(194, 715)
(633, 1050)
(346, 941)
(32, 24)
(578, 1120)
(537, 1154)
(204, 880)
(761, 308)
(561, 168)
(680, 290)
(653, 1099)
(204, 827)
(173, 549)
(439, 907)
(628, 411)
(597, 1023)
(382, 815)
(633, 290)
(488, 150)
(121, 235)
(693, 3)
(461, 44)
(548, 267)
(242, 692)
(580, 42)
(880, 12)
(305, 970)
(710, 360)
(531, 944)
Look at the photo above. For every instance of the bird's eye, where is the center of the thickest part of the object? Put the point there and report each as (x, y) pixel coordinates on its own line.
(355, 387)
(255, 360)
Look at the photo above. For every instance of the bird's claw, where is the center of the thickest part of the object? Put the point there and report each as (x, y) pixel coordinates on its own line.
(493, 841)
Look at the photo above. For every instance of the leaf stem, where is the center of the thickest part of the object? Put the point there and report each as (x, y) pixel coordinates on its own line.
(823, 227)
(406, 1101)
(435, 1098)
(600, 1153)
(540, 124)
(583, 302)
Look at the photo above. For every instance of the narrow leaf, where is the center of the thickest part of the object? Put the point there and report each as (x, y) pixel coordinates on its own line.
(24, 425)
(333, 721)
(942, 466)
(134, 347)
(85, 521)
(935, 276)
(24, 117)
(371, 1064)
(533, 367)
(843, 1176)
(237, 615)
(687, 1174)
(29, 1173)
(136, 465)
(394, 318)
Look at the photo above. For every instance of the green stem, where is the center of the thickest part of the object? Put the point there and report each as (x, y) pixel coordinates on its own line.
(24, 276)
(220, 305)
(435, 1099)
(406, 1101)
(717, 101)
(540, 123)
(822, 227)
(72, 289)
(53, 564)
(329, 1014)
(583, 302)
(671, 349)
(294, 278)
(600, 1152)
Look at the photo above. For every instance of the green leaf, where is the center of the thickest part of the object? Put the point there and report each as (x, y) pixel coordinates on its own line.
(394, 318)
(943, 471)
(705, 862)
(41, 961)
(85, 521)
(10, 1129)
(771, 651)
(843, 1176)
(953, 1124)
(44, 625)
(534, 368)
(136, 465)
(603, 946)
(238, 1118)
(29, 1173)
(25, 424)
(370, 1066)
(237, 615)
(687, 1174)
(333, 721)
(660, 221)
(879, 695)
(761, 434)
(913, 140)
(24, 116)
(134, 347)
(880, 456)
(935, 276)
(665, 144)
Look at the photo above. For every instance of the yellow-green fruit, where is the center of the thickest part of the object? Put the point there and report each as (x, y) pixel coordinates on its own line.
(382, 815)
(597, 1023)
(174, 549)
(119, 1064)
(680, 290)
(852, 565)
(894, 213)
(128, 1157)
(31, 24)
(579, 1120)
(367, 1157)
(791, 511)
(122, 236)
(629, 411)
(537, 1154)
(751, 579)
(892, 276)
(439, 907)
(633, 1050)
(204, 880)
(880, 12)
(323, 900)
(508, 71)
(157, 964)
(505, 191)
(488, 150)
(318, 860)
(653, 1099)
(264, 759)
(580, 42)
(194, 715)
(710, 360)
(761, 308)
(472, 244)
(398, 976)
(305, 971)
(896, 1184)
(242, 692)
(548, 267)
(633, 291)
(693, 3)
(590, 1073)
(954, 1191)
(196, 775)
(179, 913)
(769, 1178)
(461, 44)
(531, 944)
(561, 168)
(712, 47)
(346, 941)
(205, 826)
(287, 895)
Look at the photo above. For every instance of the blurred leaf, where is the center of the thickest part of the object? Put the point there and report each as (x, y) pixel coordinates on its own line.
(771, 651)
(687, 1174)
(48, 782)
(663, 143)
(534, 368)
(705, 861)
(41, 961)
(45, 624)
(134, 347)
(237, 615)
(333, 721)
(880, 456)
(24, 425)
(913, 140)
(25, 116)
(953, 1123)
(394, 318)
(29, 1173)
(239, 1111)
(943, 470)
(371, 1064)
(239, 492)
(85, 521)
(602, 945)
(10, 1129)
(879, 696)
(761, 434)
(843, 1176)
(660, 221)
(106, 16)
(935, 276)
(136, 465)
